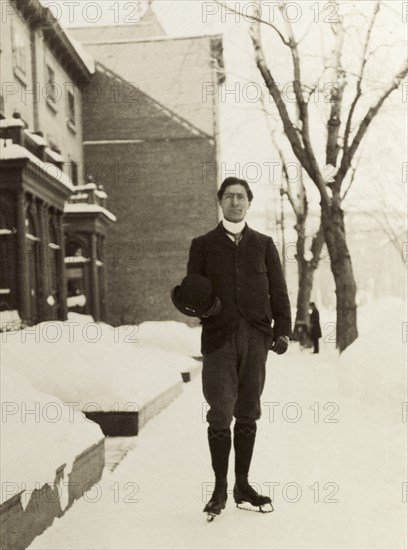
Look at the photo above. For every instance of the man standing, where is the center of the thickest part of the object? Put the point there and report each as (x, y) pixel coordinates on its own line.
(244, 269)
(315, 329)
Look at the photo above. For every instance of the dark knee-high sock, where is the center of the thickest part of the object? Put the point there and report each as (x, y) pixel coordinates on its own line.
(219, 442)
(244, 441)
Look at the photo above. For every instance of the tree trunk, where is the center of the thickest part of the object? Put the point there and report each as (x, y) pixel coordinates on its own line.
(306, 271)
(341, 267)
(301, 330)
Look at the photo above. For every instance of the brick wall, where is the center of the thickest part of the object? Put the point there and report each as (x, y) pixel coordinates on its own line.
(157, 191)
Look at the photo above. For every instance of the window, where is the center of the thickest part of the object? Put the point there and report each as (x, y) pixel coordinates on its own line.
(8, 260)
(71, 107)
(51, 91)
(76, 275)
(74, 172)
(18, 49)
(75, 249)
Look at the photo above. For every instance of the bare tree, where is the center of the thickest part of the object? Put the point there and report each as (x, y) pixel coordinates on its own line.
(341, 145)
(390, 219)
(307, 258)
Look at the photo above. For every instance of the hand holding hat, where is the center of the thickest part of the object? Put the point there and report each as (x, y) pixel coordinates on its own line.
(195, 297)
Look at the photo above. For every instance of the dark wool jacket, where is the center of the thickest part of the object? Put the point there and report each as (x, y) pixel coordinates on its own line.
(247, 278)
(315, 329)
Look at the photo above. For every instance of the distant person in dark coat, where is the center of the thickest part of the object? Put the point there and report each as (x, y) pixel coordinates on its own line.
(244, 269)
(315, 330)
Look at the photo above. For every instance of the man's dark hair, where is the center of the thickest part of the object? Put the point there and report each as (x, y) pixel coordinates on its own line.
(234, 181)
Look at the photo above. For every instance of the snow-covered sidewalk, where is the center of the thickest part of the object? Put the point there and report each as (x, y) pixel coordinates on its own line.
(334, 467)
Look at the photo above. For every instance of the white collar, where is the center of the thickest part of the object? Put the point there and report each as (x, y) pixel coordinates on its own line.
(233, 227)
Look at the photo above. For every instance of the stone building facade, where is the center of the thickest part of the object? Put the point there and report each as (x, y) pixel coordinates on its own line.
(41, 159)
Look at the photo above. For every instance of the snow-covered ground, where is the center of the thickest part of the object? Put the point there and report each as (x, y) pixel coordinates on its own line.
(53, 371)
(331, 451)
(38, 435)
(95, 366)
(170, 336)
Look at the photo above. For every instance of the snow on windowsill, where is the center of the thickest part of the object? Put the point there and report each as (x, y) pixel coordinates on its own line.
(76, 259)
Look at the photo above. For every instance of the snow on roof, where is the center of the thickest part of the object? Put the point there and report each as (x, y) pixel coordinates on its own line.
(83, 54)
(95, 208)
(80, 196)
(86, 187)
(10, 122)
(14, 151)
(101, 194)
(187, 57)
(54, 155)
(91, 187)
(39, 140)
(145, 26)
(85, 57)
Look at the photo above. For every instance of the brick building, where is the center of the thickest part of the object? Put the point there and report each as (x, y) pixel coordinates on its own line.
(42, 196)
(148, 135)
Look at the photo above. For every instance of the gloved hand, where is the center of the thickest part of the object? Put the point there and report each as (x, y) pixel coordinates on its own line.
(280, 345)
(215, 309)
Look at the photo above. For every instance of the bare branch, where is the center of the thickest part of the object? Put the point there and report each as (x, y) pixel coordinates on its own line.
(301, 103)
(306, 32)
(388, 228)
(254, 18)
(364, 59)
(313, 88)
(349, 153)
(299, 206)
(303, 151)
(275, 92)
(353, 173)
(333, 123)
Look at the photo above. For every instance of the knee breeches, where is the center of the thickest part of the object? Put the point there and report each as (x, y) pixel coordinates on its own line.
(234, 376)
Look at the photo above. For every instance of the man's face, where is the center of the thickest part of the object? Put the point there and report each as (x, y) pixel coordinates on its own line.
(234, 203)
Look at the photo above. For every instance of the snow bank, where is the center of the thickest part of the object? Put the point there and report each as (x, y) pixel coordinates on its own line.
(94, 366)
(38, 435)
(346, 463)
(170, 336)
(10, 320)
(80, 318)
(374, 367)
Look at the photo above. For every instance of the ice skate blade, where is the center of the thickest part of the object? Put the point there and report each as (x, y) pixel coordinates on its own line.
(264, 509)
(211, 517)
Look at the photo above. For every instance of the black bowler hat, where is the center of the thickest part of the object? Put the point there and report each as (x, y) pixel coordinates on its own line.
(195, 297)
